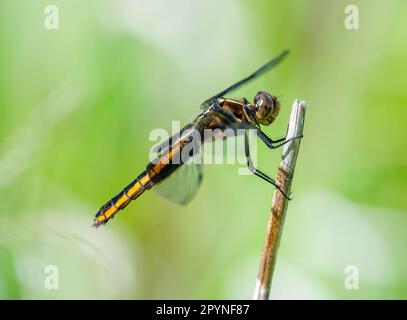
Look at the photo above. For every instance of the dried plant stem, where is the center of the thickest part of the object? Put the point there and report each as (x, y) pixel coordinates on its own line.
(278, 211)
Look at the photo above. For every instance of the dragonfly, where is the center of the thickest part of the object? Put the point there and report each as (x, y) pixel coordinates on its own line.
(180, 180)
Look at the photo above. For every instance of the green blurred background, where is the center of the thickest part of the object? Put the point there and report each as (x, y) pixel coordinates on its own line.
(77, 106)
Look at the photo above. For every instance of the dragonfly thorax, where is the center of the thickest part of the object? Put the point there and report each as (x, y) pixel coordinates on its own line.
(266, 107)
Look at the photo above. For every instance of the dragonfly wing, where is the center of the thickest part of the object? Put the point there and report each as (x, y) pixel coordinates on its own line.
(185, 179)
(272, 63)
(182, 173)
(183, 184)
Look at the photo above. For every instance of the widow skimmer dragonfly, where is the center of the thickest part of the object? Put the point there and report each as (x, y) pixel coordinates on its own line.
(179, 181)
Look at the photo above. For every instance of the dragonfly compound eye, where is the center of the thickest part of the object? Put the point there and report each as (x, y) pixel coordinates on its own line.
(267, 107)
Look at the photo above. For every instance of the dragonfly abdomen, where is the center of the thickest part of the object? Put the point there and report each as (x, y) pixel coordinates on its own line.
(135, 189)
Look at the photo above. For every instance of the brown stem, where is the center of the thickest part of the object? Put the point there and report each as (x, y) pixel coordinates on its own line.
(279, 208)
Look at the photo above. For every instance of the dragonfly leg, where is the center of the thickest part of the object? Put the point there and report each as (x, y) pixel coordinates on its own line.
(273, 144)
(259, 173)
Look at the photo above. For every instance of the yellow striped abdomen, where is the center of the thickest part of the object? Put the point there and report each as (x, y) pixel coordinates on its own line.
(155, 172)
(135, 189)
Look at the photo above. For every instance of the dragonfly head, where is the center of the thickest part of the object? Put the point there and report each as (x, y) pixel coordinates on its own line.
(267, 108)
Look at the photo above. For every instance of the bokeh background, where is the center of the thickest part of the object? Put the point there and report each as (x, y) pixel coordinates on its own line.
(77, 106)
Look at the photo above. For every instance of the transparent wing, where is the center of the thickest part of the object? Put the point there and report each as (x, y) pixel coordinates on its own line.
(272, 63)
(183, 184)
(185, 180)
